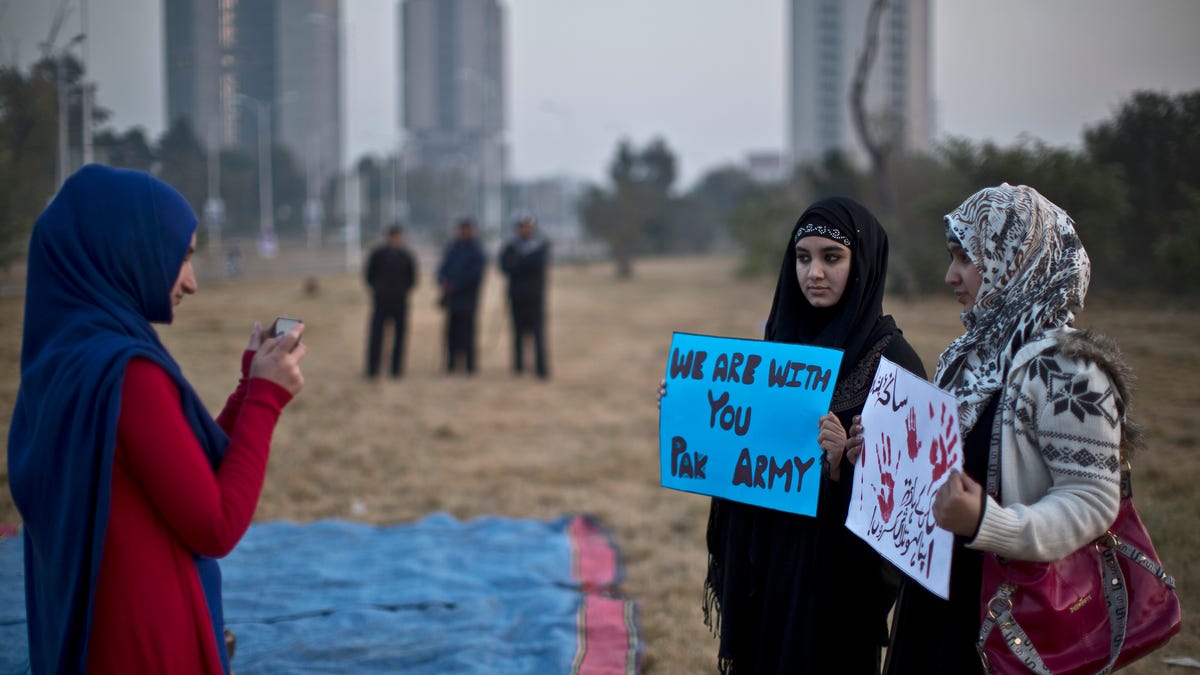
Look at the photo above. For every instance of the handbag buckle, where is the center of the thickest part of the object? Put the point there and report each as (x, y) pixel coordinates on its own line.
(999, 604)
(1107, 540)
(987, 663)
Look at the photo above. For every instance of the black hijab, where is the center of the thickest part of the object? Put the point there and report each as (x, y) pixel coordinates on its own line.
(775, 580)
(856, 323)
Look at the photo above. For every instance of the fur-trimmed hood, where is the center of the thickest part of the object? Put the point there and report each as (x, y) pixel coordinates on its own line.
(1102, 350)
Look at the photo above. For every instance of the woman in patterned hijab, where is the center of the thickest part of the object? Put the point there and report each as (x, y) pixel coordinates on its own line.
(1041, 414)
(1034, 275)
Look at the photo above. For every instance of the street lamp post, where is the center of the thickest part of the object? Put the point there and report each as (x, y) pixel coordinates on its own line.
(565, 119)
(268, 244)
(88, 90)
(214, 206)
(351, 201)
(489, 197)
(324, 27)
(314, 211)
(402, 168)
(395, 193)
(60, 74)
(63, 157)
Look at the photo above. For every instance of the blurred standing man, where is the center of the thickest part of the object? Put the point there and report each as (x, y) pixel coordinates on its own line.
(523, 259)
(460, 276)
(391, 274)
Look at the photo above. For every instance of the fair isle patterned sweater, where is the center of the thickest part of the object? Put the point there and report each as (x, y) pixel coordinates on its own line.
(1062, 426)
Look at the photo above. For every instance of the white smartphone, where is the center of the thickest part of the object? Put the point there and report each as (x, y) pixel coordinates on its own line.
(283, 325)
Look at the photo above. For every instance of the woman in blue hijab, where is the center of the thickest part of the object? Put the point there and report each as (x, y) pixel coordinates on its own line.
(127, 487)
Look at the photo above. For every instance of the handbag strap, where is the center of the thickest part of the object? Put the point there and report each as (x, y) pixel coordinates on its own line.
(993, 468)
(1142, 560)
(1109, 545)
(999, 613)
(1116, 598)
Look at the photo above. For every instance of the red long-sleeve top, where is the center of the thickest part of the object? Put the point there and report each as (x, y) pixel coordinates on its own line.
(150, 615)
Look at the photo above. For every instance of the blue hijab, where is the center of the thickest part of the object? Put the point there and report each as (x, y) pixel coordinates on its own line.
(103, 258)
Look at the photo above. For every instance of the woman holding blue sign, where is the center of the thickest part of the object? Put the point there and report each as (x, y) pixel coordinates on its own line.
(789, 593)
(1040, 401)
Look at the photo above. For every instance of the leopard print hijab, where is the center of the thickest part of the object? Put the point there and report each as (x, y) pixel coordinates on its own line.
(1035, 275)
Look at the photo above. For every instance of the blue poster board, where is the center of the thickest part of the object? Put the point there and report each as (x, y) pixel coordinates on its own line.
(740, 417)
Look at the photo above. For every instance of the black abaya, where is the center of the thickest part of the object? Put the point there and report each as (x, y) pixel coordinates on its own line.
(935, 636)
(797, 594)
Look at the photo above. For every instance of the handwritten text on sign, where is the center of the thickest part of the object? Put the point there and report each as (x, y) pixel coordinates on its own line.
(740, 419)
(911, 444)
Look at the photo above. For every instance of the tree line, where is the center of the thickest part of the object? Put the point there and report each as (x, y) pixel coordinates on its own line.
(429, 198)
(1133, 189)
(29, 146)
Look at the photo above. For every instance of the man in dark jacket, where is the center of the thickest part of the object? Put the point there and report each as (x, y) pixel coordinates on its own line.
(460, 276)
(524, 259)
(391, 274)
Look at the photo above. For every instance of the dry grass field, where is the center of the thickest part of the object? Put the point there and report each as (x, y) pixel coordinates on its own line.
(585, 441)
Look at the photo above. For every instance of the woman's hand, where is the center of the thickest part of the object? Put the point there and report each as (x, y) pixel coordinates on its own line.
(831, 436)
(958, 504)
(256, 337)
(278, 359)
(662, 391)
(854, 444)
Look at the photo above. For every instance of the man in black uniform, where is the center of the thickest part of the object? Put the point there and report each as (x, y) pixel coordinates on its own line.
(524, 259)
(391, 274)
(460, 276)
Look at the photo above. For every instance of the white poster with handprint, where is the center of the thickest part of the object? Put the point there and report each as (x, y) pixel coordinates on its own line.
(910, 444)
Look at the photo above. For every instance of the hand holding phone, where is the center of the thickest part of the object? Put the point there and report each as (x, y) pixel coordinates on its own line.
(283, 325)
(276, 363)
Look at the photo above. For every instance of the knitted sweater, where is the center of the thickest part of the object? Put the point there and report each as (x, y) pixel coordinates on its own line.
(1061, 423)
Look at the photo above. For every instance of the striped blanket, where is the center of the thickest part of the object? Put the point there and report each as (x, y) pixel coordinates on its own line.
(490, 595)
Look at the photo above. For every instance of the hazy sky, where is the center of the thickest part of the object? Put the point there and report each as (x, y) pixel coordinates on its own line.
(706, 75)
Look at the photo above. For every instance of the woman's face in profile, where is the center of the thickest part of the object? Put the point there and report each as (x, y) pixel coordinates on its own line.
(186, 283)
(822, 269)
(962, 275)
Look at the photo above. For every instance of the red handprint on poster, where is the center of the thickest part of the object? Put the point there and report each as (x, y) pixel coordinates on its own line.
(913, 448)
(885, 492)
(910, 426)
(943, 452)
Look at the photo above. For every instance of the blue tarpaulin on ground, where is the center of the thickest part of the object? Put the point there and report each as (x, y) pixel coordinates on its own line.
(490, 595)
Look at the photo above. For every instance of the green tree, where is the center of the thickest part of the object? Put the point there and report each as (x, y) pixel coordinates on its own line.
(239, 181)
(636, 213)
(758, 216)
(421, 188)
(759, 224)
(183, 163)
(707, 207)
(130, 150)
(372, 176)
(928, 189)
(436, 197)
(831, 176)
(1153, 140)
(27, 155)
(647, 184)
(289, 185)
(1095, 196)
(1178, 247)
